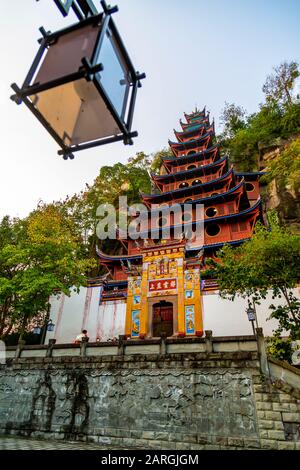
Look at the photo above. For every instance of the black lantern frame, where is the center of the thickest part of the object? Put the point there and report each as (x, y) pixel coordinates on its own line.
(89, 70)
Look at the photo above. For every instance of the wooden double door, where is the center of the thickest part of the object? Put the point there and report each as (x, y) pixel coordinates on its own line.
(162, 321)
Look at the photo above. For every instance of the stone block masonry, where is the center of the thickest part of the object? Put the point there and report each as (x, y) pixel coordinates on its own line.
(154, 401)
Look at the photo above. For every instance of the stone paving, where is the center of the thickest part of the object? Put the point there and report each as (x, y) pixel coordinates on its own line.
(23, 443)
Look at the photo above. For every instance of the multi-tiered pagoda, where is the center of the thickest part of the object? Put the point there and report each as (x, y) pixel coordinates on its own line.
(160, 276)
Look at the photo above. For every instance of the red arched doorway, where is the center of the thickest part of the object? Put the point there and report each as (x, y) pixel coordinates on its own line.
(162, 319)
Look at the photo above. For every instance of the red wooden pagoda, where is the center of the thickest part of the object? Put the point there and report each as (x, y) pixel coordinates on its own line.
(195, 173)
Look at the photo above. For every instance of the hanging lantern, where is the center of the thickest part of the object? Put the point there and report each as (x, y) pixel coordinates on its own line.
(36, 330)
(50, 326)
(82, 85)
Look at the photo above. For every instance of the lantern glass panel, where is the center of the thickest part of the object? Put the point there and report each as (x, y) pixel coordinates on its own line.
(115, 77)
(74, 110)
(64, 56)
(50, 327)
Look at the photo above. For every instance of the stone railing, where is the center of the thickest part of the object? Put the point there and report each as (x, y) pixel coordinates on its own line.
(123, 346)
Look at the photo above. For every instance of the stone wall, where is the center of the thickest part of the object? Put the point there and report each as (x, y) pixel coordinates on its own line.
(277, 195)
(168, 400)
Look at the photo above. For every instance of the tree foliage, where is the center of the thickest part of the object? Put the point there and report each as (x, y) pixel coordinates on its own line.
(269, 260)
(278, 117)
(278, 87)
(39, 255)
(233, 119)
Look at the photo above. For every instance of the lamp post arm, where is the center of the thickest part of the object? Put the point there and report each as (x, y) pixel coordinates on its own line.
(44, 327)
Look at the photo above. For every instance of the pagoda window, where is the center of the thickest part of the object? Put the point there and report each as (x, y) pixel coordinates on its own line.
(184, 184)
(189, 199)
(231, 207)
(212, 230)
(191, 167)
(214, 194)
(221, 210)
(191, 152)
(197, 181)
(249, 187)
(211, 212)
(239, 227)
(243, 226)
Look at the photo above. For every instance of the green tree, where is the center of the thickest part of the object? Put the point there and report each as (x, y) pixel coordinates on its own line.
(279, 86)
(39, 256)
(233, 119)
(270, 260)
(278, 117)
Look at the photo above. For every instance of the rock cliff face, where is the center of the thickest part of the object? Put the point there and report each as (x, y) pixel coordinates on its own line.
(277, 195)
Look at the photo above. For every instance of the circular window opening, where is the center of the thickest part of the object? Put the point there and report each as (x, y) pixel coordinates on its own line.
(191, 167)
(212, 230)
(162, 221)
(189, 199)
(191, 152)
(249, 187)
(214, 194)
(196, 182)
(211, 212)
(183, 185)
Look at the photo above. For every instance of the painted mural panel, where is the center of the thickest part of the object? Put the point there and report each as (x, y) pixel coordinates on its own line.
(190, 319)
(135, 323)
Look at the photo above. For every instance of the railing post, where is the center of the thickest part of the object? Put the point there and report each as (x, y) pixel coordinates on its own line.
(121, 345)
(51, 343)
(208, 341)
(83, 345)
(262, 352)
(20, 346)
(163, 344)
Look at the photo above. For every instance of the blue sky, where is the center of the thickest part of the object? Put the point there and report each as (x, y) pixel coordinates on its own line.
(194, 52)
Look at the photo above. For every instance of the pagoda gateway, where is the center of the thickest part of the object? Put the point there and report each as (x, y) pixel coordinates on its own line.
(160, 276)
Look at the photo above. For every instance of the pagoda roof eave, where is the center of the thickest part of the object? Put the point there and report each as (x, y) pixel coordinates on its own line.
(250, 174)
(243, 213)
(181, 190)
(211, 199)
(202, 120)
(187, 172)
(197, 127)
(190, 157)
(218, 245)
(206, 247)
(197, 113)
(190, 143)
(112, 258)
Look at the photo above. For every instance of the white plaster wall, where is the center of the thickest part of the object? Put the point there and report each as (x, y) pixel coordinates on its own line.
(227, 318)
(82, 311)
(111, 320)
